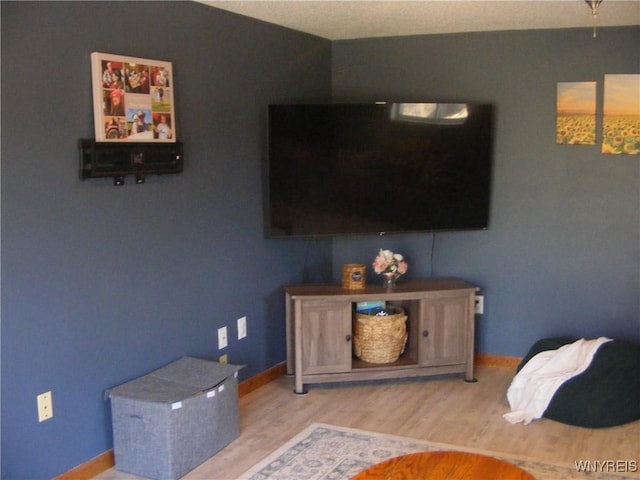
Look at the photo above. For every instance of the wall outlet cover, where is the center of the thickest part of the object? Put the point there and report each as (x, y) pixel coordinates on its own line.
(45, 406)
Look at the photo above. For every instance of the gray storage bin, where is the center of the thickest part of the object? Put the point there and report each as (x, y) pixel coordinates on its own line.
(168, 422)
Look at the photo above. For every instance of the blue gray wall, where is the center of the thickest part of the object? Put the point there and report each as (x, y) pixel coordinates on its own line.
(562, 253)
(101, 283)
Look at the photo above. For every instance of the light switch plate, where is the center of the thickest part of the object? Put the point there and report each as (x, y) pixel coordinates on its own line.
(222, 338)
(242, 327)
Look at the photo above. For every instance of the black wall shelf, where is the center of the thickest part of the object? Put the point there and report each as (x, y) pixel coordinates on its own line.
(117, 160)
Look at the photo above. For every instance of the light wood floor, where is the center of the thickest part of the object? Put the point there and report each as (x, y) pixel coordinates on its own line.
(440, 410)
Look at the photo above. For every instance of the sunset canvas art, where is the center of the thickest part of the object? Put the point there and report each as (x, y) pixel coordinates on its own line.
(576, 113)
(621, 115)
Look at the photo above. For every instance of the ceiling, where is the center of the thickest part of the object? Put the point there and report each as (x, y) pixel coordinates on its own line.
(342, 20)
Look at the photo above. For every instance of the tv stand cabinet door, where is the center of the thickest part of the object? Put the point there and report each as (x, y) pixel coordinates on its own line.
(326, 336)
(444, 331)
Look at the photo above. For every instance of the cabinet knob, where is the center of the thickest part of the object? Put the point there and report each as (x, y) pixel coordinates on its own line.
(348, 338)
(425, 333)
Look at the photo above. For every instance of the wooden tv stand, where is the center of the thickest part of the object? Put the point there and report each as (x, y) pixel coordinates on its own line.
(440, 324)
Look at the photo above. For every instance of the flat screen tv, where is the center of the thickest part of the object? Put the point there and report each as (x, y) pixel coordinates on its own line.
(339, 169)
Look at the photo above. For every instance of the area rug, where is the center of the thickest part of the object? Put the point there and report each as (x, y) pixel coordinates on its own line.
(329, 452)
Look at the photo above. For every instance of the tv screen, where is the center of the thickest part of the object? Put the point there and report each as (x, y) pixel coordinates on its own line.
(338, 169)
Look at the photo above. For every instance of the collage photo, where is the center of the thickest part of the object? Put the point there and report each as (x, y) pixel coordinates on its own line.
(134, 99)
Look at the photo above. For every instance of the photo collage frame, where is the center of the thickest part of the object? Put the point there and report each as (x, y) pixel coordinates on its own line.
(133, 99)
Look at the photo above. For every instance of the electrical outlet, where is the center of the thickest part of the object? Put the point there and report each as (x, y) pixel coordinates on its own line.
(222, 338)
(45, 406)
(479, 306)
(242, 327)
(224, 359)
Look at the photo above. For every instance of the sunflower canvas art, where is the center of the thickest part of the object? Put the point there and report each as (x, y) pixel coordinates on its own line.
(576, 113)
(621, 115)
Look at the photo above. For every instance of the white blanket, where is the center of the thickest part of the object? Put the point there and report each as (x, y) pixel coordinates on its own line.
(535, 384)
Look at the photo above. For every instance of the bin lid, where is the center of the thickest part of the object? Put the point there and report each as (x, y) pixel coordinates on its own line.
(177, 381)
(154, 390)
(197, 372)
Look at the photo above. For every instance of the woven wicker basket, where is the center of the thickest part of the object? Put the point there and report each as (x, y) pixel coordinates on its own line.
(380, 339)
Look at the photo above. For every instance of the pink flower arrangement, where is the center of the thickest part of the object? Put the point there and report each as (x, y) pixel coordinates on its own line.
(389, 262)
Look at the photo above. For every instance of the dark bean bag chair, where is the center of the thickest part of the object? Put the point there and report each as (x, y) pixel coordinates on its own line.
(606, 394)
